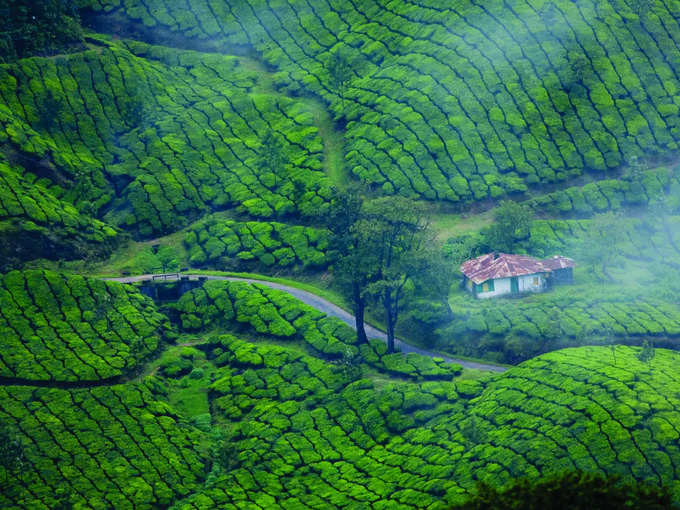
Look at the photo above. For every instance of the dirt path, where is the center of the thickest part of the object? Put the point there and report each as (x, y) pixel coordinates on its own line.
(329, 309)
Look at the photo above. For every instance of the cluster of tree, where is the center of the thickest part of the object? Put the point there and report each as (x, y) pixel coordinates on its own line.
(599, 248)
(509, 233)
(572, 490)
(38, 27)
(386, 255)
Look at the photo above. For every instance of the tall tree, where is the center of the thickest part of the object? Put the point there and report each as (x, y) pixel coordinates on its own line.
(37, 27)
(339, 69)
(11, 451)
(647, 352)
(512, 224)
(403, 252)
(353, 267)
(577, 70)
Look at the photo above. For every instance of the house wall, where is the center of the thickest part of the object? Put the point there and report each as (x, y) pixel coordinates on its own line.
(532, 282)
(501, 286)
(525, 284)
(564, 275)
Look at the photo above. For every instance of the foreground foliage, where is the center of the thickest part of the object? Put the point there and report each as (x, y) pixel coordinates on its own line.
(292, 418)
(570, 491)
(117, 446)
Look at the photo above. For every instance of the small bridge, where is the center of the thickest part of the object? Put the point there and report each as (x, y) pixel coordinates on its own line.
(154, 285)
(181, 283)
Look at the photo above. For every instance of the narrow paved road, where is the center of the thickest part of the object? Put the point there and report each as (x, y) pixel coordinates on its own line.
(326, 307)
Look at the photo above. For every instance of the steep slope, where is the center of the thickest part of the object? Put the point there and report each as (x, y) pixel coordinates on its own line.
(291, 413)
(464, 102)
(149, 138)
(35, 222)
(59, 328)
(301, 439)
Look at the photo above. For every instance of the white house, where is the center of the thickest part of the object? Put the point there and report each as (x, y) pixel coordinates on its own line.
(496, 274)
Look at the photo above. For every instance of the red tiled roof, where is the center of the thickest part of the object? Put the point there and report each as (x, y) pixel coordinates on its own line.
(501, 265)
(558, 262)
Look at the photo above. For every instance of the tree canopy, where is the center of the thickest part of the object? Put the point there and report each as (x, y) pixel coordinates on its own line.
(512, 222)
(39, 27)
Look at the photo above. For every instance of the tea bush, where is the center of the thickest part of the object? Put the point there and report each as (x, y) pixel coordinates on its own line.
(69, 328)
(230, 244)
(463, 102)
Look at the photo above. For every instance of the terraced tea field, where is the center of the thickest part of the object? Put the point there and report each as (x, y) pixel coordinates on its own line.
(270, 244)
(68, 328)
(147, 156)
(467, 102)
(222, 420)
(222, 135)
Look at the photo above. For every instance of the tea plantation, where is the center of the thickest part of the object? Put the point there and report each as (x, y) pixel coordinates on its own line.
(68, 328)
(32, 215)
(231, 243)
(648, 189)
(275, 313)
(150, 136)
(262, 416)
(460, 102)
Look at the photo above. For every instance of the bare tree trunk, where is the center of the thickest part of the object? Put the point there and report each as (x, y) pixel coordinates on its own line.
(390, 334)
(387, 303)
(359, 309)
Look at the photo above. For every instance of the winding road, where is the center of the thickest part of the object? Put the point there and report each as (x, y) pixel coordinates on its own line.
(320, 304)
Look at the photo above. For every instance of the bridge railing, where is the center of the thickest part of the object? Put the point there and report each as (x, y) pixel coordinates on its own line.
(166, 276)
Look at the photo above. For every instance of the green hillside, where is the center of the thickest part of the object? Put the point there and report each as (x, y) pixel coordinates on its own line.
(218, 420)
(68, 328)
(466, 102)
(352, 154)
(151, 137)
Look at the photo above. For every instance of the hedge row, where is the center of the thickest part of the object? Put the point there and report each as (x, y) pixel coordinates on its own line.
(227, 243)
(109, 447)
(515, 330)
(302, 436)
(589, 409)
(275, 313)
(69, 328)
(34, 222)
(152, 137)
(469, 101)
(612, 194)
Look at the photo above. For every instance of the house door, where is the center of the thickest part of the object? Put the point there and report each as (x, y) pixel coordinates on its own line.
(514, 285)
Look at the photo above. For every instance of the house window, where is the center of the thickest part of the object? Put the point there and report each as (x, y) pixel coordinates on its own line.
(487, 286)
(535, 281)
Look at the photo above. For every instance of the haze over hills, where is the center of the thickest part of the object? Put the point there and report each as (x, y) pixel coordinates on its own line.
(306, 144)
